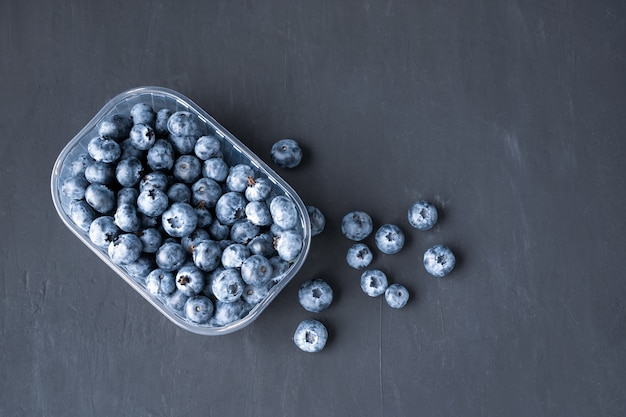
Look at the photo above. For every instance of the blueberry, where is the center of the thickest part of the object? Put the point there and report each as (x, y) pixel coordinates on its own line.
(103, 231)
(374, 282)
(125, 249)
(190, 241)
(258, 213)
(160, 282)
(142, 113)
(74, 187)
(226, 313)
(279, 267)
(127, 195)
(243, 231)
(289, 245)
(151, 239)
(142, 137)
(128, 172)
(262, 244)
(258, 189)
(310, 336)
(317, 219)
(219, 231)
(227, 286)
(179, 219)
(198, 309)
(179, 193)
(177, 300)
(183, 144)
(207, 255)
(208, 147)
(190, 280)
(130, 151)
(439, 261)
(315, 295)
(126, 218)
(396, 296)
(239, 177)
(78, 165)
(82, 214)
(423, 215)
(187, 169)
(100, 197)
(234, 255)
(205, 192)
(104, 150)
(184, 123)
(284, 212)
(155, 179)
(100, 173)
(256, 270)
(204, 215)
(216, 169)
(152, 202)
(286, 153)
(139, 269)
(359, 256)
(254, 294)
(160, 124)
(170, 256)
(389, 239)
(230, 207)
(161, 155)
(356, 225)
(115, 126)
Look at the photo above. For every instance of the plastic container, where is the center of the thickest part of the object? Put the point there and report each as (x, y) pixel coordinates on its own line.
(234, 152)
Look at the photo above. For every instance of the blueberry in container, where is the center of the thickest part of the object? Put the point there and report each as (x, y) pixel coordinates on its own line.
(179, 122)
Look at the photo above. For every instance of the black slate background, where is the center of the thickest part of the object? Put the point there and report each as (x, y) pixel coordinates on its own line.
(509, 115)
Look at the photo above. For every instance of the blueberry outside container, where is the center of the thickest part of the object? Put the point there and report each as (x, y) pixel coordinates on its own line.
(235, 152)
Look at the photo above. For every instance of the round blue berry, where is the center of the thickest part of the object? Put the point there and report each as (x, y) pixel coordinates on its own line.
(216, 169)
(315, 295)
(103, 231)
(389, 239)
(160, 124)
(207, 255)
(115, 126)
(170, 256)
(160, 282)
(284, 212)
(198, 309)
(310, 336)
(359, 256)
(104, 150)
(317, 219)
(289, 245)
(151, 239)
(227, 312)
(152, 202)
(239, 177)
(227, 286)
(208, 147)
(258, 189)
(142, 113)
(396, 296)
(82, 214)
(100, 173)
(100, 197)
(374, 282)
(356, 225)
(439, 261)
(205, 192)
(234, 254)
(190, 280)
(74, 187)
(126, 218)
(142, 137)
(286, 153)
(179, 219)
(230, 207)
(256, 270)
(423, 215)
(187, 168)
(161, 155)
(125, 249)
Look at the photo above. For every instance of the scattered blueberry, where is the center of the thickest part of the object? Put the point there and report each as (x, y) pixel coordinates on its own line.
(423, 215)
(439, 261)
(315, 295)
(374, 282)
(317, 219)
(396, 296)
(356, 225)
(389, 239)
(359, 256)
(310, 336)
(286, 153)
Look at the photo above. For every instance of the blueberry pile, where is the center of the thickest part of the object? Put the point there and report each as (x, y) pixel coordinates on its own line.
(206, 237)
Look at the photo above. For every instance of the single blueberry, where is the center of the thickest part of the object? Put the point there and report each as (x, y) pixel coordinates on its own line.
(389, 239)
(356, 225)
(127, 195)
(396, 296)
(219, 231)
(286, 153)
(258, 213)
(359, 256)
(243, 231)
(227, 286)
(160, 124)
(230, 207)
(170, 256)
(187, 168)
(151, 239)
(310, 336)
(115, 126)
(185, 123)
(78, 166)
(100, 173)
(198, 309)
(161, 155)
(142, 137)
(142, 113)
(104, 150)
(439, 261)
(374, 282)
(262, 244)
(82, 214)
(317, 219)
(239, 177)
(226, 313)
(208, 147)
(215, 168)
(125, 249)
(128, 172)
(254, 294)
(423, 215)
(179, 219)
(74, 187)
(126, 218)
(176, 301)
(179, 193)
(284, 212)
(258, 189)
(234, 255)
(289, 245)
(190, 280)
(100, 197)
(152, 202)
(315, 295)
(207, 255)
(205, 218)
(154, 179)
(256, 270)
(205, 192)
(103, 231)
(183, 144)
(160, 282)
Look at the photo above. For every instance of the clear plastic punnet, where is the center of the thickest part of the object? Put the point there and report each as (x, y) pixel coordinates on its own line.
(234, 152)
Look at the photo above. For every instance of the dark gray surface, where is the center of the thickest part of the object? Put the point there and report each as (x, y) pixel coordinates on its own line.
(509, 116)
